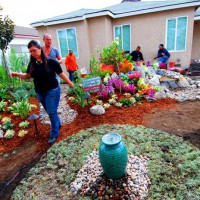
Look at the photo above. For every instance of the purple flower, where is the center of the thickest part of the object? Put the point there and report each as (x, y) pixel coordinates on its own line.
(129, 88)
(150, 93)
(103, 93)
(117, 83)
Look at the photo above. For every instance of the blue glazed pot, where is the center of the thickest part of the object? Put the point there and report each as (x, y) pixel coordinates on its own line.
(113, 155)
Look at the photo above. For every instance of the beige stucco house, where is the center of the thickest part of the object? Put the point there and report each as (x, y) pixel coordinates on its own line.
(176, 24)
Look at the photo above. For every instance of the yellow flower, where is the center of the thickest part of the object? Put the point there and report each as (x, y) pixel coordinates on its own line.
(99, 102)
(127, 94)
(5, 119)
(16, 114)
(22, 133)
(114, 96)
(71, 99)
(33, 106)
(106, 105)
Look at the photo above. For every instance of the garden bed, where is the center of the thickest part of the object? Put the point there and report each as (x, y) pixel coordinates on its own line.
(157, 114)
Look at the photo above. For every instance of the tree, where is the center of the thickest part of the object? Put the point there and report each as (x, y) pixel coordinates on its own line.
(6, 35)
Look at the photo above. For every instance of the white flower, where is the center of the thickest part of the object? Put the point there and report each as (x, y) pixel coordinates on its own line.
(112, 101)
(132, 99)
(99, 102)
(127, 94)
(117, 40)
(118, 104)
(106, 105)
(137, 95)
(114, 96)
(9, 134)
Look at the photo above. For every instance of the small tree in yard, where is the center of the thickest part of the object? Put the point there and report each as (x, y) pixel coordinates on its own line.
(6, 35)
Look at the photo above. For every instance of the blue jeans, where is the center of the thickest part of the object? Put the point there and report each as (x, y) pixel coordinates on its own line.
(71, 75)
(50, 102)
(163, 59)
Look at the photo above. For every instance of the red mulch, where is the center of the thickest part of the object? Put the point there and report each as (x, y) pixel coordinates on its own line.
(114, 115)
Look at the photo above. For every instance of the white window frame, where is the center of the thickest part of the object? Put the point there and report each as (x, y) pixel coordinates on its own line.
(121, 26)
(65, 29)
(176, 29)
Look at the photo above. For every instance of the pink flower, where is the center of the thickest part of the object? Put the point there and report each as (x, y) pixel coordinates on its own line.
(134, 75)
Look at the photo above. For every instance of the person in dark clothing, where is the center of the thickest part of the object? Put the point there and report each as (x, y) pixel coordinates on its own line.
(163, 55)
(137, 55)
(43, 70)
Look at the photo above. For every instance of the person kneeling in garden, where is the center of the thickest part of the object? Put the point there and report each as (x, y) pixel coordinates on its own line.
(43, 71)
(163, 56)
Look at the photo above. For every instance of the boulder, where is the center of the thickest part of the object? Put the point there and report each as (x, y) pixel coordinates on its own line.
(155, 80)
(182, 82)
(97, 110)
(1, 134)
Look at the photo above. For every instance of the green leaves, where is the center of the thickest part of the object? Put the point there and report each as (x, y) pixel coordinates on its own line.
(7, 31)
(126, 102)
(21, 108)
(3, 105)
(8, 125)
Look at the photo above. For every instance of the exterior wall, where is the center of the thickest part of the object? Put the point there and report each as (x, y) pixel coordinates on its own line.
(196, 41)
(92, 34)
(101, 33)
(82, 40)
(149, 30)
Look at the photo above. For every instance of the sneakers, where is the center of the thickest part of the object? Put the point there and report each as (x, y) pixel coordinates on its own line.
(52, 140)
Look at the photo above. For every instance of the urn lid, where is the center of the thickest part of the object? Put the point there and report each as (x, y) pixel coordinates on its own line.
(111, 139)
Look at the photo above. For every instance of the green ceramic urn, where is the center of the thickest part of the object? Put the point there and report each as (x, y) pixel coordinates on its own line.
(113, 155)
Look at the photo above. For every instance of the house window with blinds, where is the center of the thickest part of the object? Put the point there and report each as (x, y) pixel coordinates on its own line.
(123, 33)
(176, 34)
(67, 40)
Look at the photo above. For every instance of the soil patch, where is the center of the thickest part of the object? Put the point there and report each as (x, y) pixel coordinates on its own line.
(167, 115)
(182, 119)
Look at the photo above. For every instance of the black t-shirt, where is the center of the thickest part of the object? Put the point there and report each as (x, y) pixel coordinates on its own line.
(45, 80)
(136, 55)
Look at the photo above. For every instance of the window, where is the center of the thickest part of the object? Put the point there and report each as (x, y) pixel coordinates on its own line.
(176, 34)
(123, 33)
(19, 48)
(67, 40)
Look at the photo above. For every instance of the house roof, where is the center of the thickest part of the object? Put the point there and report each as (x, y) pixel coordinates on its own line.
(197, 14)
(123, 9)
(25, 32)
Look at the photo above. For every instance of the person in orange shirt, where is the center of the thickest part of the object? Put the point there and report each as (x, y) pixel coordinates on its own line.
(71, 65)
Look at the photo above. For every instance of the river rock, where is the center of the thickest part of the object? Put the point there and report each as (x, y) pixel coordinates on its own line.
(97, 110)
(182, 82)
(1, 134)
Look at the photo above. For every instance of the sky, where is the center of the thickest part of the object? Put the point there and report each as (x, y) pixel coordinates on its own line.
(25, 12)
